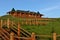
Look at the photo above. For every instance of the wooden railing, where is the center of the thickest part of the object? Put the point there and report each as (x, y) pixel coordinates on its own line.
(2, 37)
(5, 32)
(12, 36)
(21, 29)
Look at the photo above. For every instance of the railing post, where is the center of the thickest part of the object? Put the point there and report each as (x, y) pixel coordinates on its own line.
(12, 23)
(54, 36)
(12, 36)
(26, 22)
(33, 36)
(18, 31)
(30, 22)
(1, 23)
(8, 23)
(4, 22)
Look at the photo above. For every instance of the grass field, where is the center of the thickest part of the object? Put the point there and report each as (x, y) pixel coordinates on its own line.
(38, 29)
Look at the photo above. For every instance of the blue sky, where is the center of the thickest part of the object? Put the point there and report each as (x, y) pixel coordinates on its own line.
(50, 8)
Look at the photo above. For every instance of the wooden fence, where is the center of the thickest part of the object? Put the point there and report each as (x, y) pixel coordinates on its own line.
(12, 37)
(12, 34)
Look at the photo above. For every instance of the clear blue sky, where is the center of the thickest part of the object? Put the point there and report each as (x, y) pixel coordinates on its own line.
(50, 8)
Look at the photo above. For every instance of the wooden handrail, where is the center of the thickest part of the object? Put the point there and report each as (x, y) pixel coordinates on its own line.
(23, 37)
(5, 31)
(4, 35)
(43, 35)
(21, 31)
(25, 34)
(21, 28)
(14, 30)
(25, 31)
(58, 35)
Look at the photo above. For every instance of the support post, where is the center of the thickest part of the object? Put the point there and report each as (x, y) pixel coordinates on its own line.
(54, 36)
(12, 36)
(33, 36)
(5, 22)
(18, 31)
(12, 23)
(8, 23)
(26, 22)
(1, 23)
(30, 22)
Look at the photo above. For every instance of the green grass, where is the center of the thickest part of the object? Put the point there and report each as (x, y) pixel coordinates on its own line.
(38, 29)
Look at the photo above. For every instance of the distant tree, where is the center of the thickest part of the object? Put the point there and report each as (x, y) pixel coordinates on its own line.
(13, 9)
(38, 12)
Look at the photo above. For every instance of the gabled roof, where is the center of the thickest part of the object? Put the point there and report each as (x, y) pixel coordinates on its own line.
(23, 11)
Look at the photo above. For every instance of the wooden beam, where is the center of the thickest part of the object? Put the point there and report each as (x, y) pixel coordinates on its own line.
(8, 23)
(0, 24)
(18, 31)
